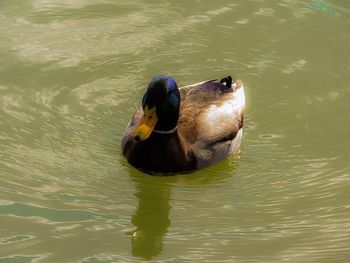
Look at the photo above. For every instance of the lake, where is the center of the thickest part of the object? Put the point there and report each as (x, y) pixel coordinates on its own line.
(73, 72)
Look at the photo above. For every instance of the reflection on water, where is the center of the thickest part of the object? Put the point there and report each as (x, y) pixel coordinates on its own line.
(151, 218)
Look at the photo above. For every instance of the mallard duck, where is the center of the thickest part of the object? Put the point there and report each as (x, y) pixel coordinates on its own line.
(184, 129)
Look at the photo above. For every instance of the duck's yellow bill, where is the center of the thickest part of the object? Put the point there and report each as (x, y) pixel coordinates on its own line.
(146, 124)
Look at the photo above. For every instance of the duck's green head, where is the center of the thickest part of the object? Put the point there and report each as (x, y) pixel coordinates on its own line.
(161, 106)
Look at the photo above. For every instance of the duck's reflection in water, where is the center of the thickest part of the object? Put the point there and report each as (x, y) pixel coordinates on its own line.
(151, 217)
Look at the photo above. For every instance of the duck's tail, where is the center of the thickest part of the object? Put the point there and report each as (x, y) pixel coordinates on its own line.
(227, 81)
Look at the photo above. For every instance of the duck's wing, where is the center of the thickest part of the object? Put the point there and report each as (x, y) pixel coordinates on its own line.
(211, 117)
(197, 84)
(222, 117)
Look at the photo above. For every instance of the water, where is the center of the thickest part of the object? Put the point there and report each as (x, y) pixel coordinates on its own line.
(71, 75)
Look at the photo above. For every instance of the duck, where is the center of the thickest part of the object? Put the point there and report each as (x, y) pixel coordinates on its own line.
(180, 130)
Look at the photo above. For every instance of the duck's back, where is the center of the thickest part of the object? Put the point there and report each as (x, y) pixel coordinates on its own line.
(211, 119)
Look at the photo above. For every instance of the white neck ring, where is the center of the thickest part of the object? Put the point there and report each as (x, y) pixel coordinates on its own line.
(166, 132)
